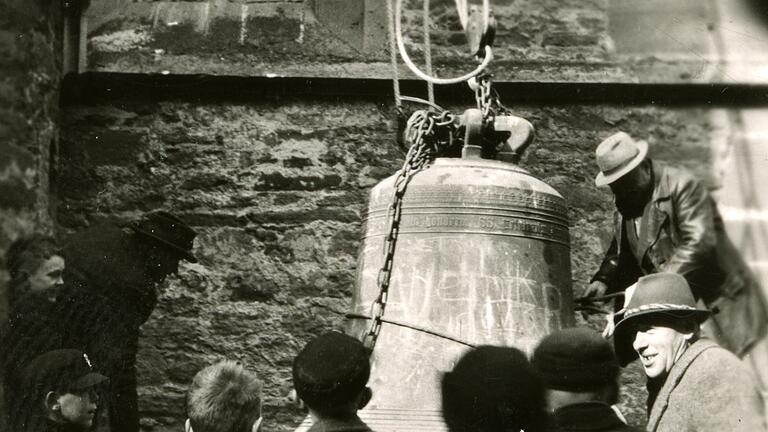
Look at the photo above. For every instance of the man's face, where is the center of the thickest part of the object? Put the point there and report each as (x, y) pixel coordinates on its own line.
(632, 190)
(79, 408)
(47, 275)
(659, 341)
(162, 263)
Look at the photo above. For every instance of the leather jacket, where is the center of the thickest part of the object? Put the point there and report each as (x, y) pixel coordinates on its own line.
(681, 231)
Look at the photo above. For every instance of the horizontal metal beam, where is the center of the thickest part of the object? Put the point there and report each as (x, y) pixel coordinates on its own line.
(98, 87)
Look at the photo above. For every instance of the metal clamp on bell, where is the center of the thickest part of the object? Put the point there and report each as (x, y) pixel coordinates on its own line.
(521, 135)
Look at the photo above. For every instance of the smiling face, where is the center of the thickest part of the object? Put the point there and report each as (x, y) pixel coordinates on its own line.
(660, 340)
(79, 408)
(48, 275)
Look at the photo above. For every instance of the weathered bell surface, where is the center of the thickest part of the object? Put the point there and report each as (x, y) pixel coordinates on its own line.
(482, 256)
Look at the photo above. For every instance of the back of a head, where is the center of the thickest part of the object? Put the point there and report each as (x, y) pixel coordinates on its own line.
(493, 389)
(224, 397)
(331, 372)
(576, 360)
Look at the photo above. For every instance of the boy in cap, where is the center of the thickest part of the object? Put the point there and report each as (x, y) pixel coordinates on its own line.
(693, 384)
(493, 389)
(59, 393)
(580, 372)
(224, 397)
(330, 376)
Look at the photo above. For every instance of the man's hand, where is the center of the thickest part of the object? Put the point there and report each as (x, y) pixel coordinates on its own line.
(609, 326)
(596, 289)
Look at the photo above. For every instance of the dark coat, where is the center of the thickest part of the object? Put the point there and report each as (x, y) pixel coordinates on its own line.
(34, 327)
(682, 232)
(589, 416)
(331, 425)
(108, 292)
(707, 389)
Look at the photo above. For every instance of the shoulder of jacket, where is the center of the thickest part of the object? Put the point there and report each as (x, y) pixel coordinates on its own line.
(716, 364)
(676, 175)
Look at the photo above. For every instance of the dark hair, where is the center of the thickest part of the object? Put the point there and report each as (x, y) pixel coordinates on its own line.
(493, 389)
(23, 258)
(331, 372)
(224, 397)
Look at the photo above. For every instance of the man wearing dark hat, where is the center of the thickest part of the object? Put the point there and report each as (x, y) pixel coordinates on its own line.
(111, 289)
(667, 222)
(693, 384)
(330, 375)
(59, 393)
(581, 374)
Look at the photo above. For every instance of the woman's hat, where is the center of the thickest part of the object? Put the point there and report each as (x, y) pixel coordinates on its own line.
(618, 155)
(659, 293)
(169, 231)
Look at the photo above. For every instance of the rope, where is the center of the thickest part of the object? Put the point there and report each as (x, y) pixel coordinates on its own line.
(461, 9)
(416, 71)
(393, 56)
(422, 101)
(428, 51)
(413, 327)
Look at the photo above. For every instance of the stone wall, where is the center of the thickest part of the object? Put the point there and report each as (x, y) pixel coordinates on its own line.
(29, 97)
(276, 189)
(536, 40)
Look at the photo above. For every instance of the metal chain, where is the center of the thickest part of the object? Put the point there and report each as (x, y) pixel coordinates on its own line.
(420, 132)
(486, 97)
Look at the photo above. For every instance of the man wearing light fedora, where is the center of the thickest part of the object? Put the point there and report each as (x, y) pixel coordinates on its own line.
(667, 222)
(693, 384)
(110, 289)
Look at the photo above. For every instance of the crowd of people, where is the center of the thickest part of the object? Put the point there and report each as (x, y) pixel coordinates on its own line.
(690, 312)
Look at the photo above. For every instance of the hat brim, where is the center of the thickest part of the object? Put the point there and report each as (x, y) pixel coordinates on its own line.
(623, 337)
(187, 255)
(605, 180)
(89, 380)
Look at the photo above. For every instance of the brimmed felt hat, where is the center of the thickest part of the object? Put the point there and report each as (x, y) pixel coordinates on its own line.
(617, 155)
(660, 293)
(575, 360)
(61, 369)
(167, 230)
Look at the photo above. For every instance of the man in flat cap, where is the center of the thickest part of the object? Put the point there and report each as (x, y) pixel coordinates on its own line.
(581, 374)
(667, 222)
(111, 289)
(693, 384)
(59, 393)
(330, 375)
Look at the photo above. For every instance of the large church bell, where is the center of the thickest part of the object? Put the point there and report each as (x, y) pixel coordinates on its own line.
(482, 256)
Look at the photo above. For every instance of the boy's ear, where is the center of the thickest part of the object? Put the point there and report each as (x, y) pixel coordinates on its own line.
(365, 397)
(187, 426)
(52, 403)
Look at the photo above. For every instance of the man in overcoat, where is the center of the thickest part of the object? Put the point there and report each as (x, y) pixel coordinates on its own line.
(693, 384)
(666, 221)
(111, 284)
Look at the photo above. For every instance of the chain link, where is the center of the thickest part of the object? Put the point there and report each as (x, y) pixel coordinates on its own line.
(420, 132)
(486, 97)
